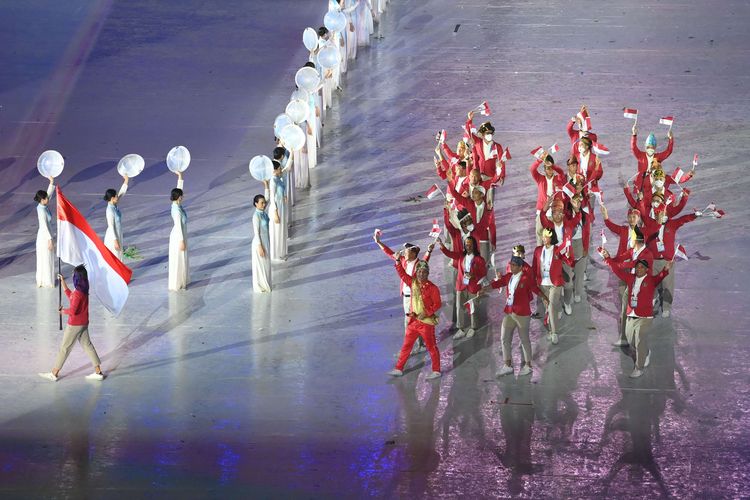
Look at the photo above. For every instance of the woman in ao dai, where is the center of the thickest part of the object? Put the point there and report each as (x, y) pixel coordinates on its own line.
(260, 248)
(113, 235)
(178, 256)
(277, 213)
(45, 246)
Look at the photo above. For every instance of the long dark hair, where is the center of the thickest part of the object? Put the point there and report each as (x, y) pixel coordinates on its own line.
(109, 194)
(475, 246)
(81, 279)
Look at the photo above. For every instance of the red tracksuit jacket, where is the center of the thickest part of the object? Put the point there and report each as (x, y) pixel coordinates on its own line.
(645, 299)
(523, 295)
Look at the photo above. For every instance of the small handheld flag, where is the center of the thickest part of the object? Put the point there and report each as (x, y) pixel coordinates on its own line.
(695, 160)
(537, 152)
(667, 120)
(585, 120)
(506, 155)
(484, 109)
(435, 232)
(554, 149)
(433, 192)
(600, 149)
(630, 113)
(440, 137)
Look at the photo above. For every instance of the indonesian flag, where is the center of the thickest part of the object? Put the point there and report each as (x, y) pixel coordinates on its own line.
(468, 133)
(583, 116)
(433, 192)
(506, 155)
(667, 120)
(78, 244)
(484, 109)
(680, 252)
(470, 305)
(719, 213)
(554, 148)
(537, 152)
(597, 192)
(600, 149)
(435, 232)
(569, 190)
(440, 136)
(630, 113)
(695, 160)
(680, 176)
(604, 238)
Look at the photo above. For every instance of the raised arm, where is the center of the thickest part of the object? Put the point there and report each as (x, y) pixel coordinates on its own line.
(403, 274)
(124, 187)
(534, 170)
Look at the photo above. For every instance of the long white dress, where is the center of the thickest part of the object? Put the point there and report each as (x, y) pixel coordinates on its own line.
(45, 258)
(300, 163)
(261, 265)
(351, 36)
(178, 259)
(114, 225)
(364, 24)
(278, 232)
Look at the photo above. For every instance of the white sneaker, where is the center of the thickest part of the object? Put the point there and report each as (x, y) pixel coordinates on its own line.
(620, 343)
(95, 376)
(433, 375)
(636, 373)
(554, 338)
(568, 309)
(49, 376)
(665, 314)
(526, 370)
(459, 334)
(470, 333)
(577, 298)
(395, 372)
(648, 359)
(505, 370)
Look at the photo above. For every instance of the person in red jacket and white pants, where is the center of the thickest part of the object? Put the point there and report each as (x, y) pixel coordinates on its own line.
(520, 289)
(641, 287)
(547, 185)
(472, 270)
(409, 262)
(548, 274)
(423, 316)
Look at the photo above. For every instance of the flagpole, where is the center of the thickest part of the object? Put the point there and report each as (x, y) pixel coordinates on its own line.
(59, 292)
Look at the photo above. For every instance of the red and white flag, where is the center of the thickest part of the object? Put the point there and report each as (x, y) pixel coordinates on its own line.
(538, 152)
(554, 149)
(585, 120)
(600, 149)
(569, 190)
(506, 155)
(667, 120)
(695, 160)
(630, 113)
(440, 137)
(484, 109)
(78, 244)
(433, 192)
(680, 175)
(470, 305)
(597, 192)
(680, 252)
(435, 232)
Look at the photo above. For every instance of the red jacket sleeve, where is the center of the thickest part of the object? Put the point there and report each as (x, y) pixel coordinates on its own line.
(659, 277)
(673, 210)
(451, 254)
(573, 134)
(479, 268)
(615, 228)
(667, 152)
(76, 303)
(387, 250)
(629, 196)
(501, 281)
(402, 274)
(634, 146)
(534, 171)
(624, 276)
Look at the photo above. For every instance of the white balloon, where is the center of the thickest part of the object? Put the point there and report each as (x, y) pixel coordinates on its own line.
(310, 38)
(335, 21)
(261, 167)
(293, 137)
(280, 122)
(329, 57)
(50, 163)
(297, 111)
(300, 95)
(307, 78)
(131, 165)
(178, 159)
